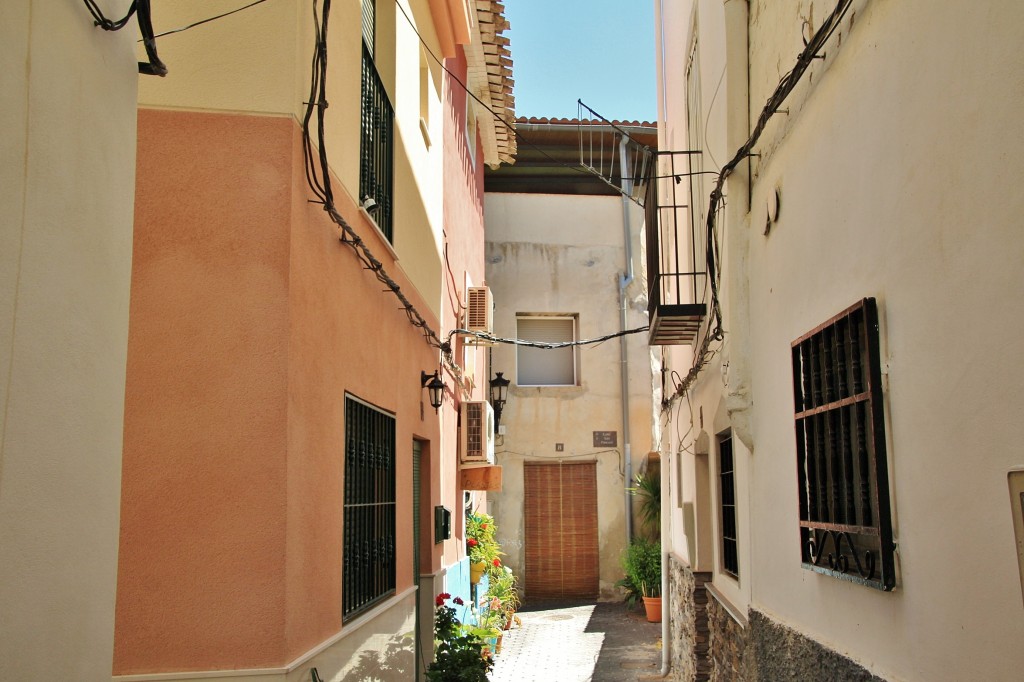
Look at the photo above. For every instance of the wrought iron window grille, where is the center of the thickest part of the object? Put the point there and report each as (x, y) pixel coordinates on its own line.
(368, 571)
(727, 506)
(845, 518)
(376, 146)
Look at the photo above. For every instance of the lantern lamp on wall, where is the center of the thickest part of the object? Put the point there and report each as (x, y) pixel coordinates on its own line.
(499, 394)
(434, 386)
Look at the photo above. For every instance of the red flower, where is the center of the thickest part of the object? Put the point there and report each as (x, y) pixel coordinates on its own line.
(458, 600)
(441, 598)
(471, 542)
(483, 526)
(497, 562)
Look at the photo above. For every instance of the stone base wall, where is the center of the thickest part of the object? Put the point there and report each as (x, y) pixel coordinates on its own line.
(711, 644)
(688, 628)
(778, 652)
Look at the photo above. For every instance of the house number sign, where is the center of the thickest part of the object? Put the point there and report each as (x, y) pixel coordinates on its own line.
(606, 439)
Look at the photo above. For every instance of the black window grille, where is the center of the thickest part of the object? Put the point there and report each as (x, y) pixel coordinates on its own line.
(845, 521)
(376, 145)
(727, 486)
(368, 572)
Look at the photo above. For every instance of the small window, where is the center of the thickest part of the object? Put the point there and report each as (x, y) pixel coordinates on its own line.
(543, 366)
(368, 573)
(727, 506)
(845, 521)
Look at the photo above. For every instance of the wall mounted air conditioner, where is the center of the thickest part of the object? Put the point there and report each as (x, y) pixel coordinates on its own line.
(477, 433)
(479, 314)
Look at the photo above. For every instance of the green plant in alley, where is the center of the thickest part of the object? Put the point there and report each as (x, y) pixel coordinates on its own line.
(642, 564)
(648, 489)
(459, 650)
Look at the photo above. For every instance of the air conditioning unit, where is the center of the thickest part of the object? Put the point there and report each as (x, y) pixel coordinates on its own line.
(477, 433)
(479, 314)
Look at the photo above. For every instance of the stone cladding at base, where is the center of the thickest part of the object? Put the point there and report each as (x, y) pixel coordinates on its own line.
(709, 645)
(689, 629)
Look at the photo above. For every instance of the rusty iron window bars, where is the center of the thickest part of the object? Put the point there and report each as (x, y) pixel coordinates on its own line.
(368, 570)
(845, 519)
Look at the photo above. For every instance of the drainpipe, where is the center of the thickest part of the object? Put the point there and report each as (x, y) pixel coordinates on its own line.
(666, 611)
(624, 281)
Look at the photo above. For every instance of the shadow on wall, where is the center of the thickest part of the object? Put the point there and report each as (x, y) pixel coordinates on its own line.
(395, 661)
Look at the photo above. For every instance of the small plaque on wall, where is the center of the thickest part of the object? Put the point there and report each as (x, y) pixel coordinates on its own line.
(606, 439)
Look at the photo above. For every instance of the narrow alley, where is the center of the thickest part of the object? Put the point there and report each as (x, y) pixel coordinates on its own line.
(578, 643)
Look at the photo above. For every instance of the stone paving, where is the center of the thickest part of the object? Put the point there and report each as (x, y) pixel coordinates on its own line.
(601, 642)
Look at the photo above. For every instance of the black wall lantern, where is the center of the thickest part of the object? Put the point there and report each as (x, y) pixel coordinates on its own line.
(499, 394)
(435, 387)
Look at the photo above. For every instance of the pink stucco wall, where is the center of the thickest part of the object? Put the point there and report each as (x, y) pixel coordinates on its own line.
(249, 322)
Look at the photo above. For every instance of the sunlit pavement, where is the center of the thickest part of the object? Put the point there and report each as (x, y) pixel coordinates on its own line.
(576, 643)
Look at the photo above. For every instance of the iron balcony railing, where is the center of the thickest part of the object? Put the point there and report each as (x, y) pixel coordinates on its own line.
(676, 250)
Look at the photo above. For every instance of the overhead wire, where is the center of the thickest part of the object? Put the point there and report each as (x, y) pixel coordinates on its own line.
(786, 85)
(141, 10)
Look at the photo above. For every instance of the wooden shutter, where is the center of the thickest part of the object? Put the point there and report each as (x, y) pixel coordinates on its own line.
(561, 530)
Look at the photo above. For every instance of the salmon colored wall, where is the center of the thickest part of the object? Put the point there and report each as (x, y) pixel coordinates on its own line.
(464, 240)
(249, 322)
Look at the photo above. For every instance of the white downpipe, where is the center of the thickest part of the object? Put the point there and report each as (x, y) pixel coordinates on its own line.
(624, 281)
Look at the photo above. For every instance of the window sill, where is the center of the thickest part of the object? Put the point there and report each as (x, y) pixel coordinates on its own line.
(731, 609)
(371, 221)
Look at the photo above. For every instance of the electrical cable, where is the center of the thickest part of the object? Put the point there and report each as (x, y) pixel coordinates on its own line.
(546, 345)
(208, 20)
(141, 9)
(786, 85)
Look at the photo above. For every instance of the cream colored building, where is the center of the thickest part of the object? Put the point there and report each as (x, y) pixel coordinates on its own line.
(564, 263)
(67, 169)
(840, 529)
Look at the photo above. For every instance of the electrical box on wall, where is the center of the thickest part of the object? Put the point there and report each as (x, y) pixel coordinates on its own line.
(442, 524)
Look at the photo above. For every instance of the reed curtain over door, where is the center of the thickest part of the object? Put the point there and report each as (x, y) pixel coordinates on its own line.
(560, 520)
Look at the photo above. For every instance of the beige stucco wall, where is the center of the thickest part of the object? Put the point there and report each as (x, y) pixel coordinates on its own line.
(66, 192)
(565, 254)
(897, 174)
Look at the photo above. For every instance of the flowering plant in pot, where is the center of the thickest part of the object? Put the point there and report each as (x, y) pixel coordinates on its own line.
(504, 594)
(642, 564)
(460, 653)
(481, 546)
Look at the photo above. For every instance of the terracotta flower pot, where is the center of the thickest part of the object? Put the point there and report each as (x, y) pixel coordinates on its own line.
(476, 571)
(653, 607)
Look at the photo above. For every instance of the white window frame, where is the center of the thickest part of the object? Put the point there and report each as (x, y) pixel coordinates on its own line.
(574, 320)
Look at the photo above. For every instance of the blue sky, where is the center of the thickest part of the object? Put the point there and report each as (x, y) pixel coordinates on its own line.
(600, 51)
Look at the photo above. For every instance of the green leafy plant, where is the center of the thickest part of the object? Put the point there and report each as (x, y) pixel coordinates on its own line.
(503, 593)
(459, 650)
(648, 489)
(642, 564)
(481, 543)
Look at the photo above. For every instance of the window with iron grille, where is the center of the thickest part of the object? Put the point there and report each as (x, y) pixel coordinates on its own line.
(727, 505)
(368, 573)
(845, 521)
(376, 139)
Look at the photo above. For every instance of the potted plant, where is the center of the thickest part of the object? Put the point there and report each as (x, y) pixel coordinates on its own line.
(504, 595)
(459, 650)
(481, 546)
(642, 564)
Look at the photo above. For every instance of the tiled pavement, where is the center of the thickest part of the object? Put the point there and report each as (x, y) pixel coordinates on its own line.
(601, 642)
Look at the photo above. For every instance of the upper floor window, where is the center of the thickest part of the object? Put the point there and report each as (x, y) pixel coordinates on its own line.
(376, 138)
(368, 571)
(542, 366)
(845, 521)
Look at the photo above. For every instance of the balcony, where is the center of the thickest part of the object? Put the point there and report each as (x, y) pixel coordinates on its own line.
(676, 250)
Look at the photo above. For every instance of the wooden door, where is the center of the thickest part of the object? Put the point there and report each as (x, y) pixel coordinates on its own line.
(560, 519)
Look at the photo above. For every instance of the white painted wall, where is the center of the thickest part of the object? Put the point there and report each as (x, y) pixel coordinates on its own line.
(564, 254)
(897, 166)
(66, 190)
